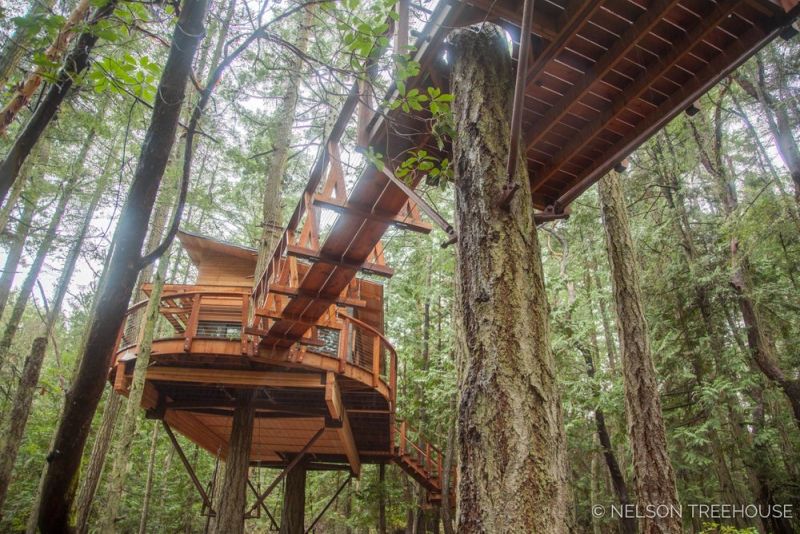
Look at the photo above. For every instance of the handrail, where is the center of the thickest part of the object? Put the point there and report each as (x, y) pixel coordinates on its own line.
(372, 329)
(190, 331)
(430, 458)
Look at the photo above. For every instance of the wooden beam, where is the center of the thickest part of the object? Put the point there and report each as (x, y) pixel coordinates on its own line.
(238, 378)
(315, 256)
(727, 61)
(543, 26)
(646, 21)
(630, 93)
(299, 292)
(333, 396)
(351, 451)
(380, 217)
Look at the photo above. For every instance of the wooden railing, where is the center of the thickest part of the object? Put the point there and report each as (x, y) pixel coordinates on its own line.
(182, 312)
(181, 315)
(363, 345)
(412, 446)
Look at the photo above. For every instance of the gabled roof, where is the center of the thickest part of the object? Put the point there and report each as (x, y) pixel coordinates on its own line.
(200, 247)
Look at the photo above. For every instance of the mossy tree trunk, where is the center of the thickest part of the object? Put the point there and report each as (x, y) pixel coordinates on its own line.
(512, 450)
(230, 512)
(294, 501)
(654, 479)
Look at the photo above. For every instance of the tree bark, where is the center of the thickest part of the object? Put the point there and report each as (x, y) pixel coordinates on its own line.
(148, 485)
(513, 465)
(75, 63)
(230, 515)
(294, 501)
(130, 420)
(654, 479)
(87, 388)
(97, 460)
(447, 482)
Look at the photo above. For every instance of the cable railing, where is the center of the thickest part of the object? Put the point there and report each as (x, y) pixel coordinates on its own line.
(223, 315)
(190, 315)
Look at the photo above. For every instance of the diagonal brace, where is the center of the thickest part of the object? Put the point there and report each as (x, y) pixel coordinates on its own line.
(292, 464)
(188, 466)
(263, 506)
(330, 502)
(424, 206)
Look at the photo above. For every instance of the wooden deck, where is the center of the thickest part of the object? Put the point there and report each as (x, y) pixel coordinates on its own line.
(604, 76)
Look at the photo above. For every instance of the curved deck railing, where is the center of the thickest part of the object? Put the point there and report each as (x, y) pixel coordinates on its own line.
(194, 315)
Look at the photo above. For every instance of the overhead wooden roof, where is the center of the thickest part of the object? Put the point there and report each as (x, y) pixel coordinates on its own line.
(606, 75)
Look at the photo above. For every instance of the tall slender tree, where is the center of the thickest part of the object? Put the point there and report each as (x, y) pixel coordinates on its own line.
(653, 475)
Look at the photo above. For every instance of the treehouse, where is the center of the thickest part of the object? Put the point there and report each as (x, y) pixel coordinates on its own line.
(329, 396)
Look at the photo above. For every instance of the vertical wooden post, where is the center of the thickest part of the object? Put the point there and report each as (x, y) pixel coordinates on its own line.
(119, 334)
(344, 344)
(403, 437)
(191, 327)
(376, 360)
(428, 461)
(393, 379)
(245, 315)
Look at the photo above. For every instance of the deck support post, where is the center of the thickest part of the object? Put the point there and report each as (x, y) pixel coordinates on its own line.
(511, 187)
(188, 466)
(294, 500)
(330, 502)
(286, 470)
(230, 516)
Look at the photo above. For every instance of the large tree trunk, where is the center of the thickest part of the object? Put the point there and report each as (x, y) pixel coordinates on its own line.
(75, 63)
(230, 513)
(272, 226)
(125, 264)
(513, 465)
(654, 479)
(97, 460)
(294, 501)
(130, 420)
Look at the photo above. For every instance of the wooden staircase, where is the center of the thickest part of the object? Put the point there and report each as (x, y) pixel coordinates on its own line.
(422, 461)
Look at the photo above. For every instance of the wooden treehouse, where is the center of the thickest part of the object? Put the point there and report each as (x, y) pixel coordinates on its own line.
(599, 79)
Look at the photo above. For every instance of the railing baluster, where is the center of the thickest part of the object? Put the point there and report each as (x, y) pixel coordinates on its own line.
(344, 344)
(191, 328)
(245, 314)
(376, 361)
